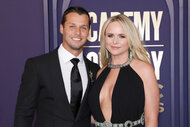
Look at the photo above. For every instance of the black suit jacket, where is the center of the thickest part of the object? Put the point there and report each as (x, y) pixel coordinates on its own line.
(42, 91)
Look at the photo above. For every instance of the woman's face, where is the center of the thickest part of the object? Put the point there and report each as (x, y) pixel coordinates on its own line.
(116, 40)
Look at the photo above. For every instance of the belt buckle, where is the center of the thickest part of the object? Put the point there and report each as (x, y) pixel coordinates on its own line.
(128, 123)
(107, 124)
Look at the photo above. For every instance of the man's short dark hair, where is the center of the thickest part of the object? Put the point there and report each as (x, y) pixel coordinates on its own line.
(77, 9)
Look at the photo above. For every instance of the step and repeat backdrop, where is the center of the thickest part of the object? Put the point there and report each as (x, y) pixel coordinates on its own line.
(158, 23)
(30, 28)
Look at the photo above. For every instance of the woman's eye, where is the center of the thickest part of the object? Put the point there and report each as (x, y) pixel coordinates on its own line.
(110, 35)
(122, 36)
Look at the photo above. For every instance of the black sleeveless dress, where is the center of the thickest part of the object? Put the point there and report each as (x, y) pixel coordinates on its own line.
(128, 97)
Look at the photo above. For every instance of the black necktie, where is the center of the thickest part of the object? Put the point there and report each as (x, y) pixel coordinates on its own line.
(76, 87)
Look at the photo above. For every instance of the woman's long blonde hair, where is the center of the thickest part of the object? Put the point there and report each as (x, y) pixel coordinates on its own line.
(133, 36)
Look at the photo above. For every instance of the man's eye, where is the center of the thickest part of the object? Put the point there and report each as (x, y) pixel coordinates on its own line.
(84, 28)
(72, 26)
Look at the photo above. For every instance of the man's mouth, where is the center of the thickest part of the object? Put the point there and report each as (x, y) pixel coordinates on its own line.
(76, 39)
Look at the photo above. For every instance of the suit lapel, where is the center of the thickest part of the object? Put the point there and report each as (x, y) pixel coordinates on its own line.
(60, 91)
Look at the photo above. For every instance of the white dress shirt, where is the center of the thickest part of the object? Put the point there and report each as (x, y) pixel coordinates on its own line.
(66, 66)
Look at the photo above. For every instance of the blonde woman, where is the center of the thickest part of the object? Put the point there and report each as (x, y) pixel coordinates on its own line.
(126, 92)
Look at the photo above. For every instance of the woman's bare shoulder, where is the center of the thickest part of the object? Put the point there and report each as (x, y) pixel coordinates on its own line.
(143, 69)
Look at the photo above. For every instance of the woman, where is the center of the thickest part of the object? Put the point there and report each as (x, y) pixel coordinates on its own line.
(126, 92)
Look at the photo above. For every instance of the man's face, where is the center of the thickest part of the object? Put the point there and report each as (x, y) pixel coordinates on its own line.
(75, 32)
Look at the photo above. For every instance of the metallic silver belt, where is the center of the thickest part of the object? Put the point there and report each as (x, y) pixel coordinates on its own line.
(128, 123)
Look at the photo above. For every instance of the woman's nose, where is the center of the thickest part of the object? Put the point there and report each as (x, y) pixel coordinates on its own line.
(115, 41)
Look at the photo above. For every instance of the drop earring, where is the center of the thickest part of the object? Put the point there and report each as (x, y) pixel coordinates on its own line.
(130, 54)
(107, 54)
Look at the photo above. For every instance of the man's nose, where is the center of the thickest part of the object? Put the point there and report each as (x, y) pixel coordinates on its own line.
(77, 31)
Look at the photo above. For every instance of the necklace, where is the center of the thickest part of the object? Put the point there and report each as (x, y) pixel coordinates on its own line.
(119, 65)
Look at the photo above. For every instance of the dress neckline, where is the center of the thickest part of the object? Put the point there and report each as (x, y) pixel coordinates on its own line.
(107, 70)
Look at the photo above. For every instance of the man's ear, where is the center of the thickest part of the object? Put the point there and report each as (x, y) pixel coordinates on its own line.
(61, 28)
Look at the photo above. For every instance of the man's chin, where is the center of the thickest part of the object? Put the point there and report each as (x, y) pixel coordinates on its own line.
(77, 48)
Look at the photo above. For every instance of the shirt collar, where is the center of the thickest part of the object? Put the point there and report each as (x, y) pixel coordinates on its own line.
(66, 56)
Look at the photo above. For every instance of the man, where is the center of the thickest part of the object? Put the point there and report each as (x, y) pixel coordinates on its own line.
(47, 82)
